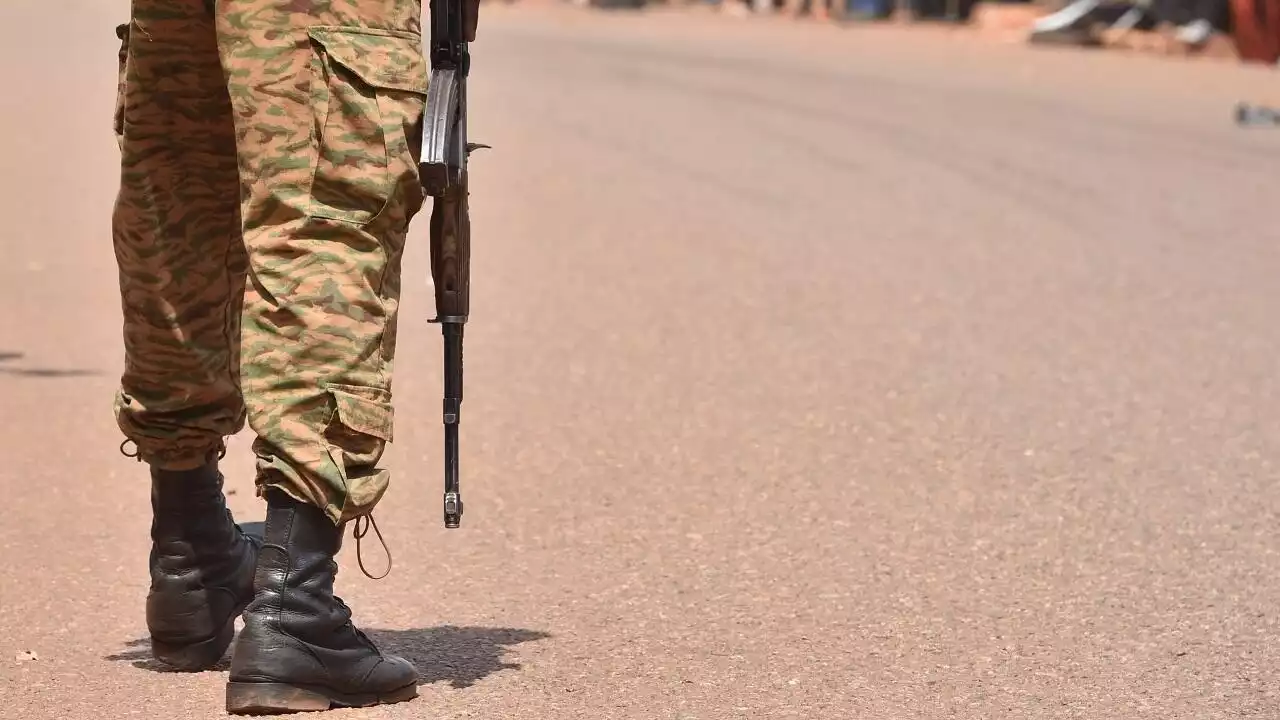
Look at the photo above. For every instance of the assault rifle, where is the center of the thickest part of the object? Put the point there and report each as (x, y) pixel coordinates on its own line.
(443, 170)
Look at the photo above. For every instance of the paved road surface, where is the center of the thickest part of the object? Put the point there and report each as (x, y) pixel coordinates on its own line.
(814, 373)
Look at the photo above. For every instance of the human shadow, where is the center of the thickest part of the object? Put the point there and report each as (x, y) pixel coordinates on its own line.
(460, 656)
(138, 653)
(40, 372)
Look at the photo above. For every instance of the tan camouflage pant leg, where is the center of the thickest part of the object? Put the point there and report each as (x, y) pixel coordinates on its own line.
(328, 98)
(177, 237)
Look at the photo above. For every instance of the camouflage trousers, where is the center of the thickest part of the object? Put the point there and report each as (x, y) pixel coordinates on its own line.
(268, 177)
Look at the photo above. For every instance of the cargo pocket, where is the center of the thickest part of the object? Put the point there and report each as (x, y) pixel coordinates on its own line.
(122, 32)
(361, 425)
(368, 101)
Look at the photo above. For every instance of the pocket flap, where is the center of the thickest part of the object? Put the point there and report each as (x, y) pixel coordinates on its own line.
(366, 415)
(380, 58)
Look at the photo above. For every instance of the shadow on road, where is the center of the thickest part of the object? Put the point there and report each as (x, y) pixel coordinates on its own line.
(460, 656)
(39, 372)
(138, 652)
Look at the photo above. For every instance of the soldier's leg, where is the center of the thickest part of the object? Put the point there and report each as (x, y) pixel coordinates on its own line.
(182, 265)
(177, 239)
(327, 98)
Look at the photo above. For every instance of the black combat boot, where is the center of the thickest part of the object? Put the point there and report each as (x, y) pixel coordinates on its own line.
(299, 650)
(201, 568)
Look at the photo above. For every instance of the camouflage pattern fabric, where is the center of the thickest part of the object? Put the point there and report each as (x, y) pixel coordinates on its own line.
(269, 174)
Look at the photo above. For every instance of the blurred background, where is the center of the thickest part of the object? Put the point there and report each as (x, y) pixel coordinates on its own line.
(1247, 30)
(826, 361)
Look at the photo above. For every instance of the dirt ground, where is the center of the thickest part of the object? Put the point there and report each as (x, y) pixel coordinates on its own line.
(813, 372)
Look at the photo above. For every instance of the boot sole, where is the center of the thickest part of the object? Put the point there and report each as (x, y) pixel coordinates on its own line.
(253, 698)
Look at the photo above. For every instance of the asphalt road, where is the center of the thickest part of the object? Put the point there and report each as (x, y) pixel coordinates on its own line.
(813, 373)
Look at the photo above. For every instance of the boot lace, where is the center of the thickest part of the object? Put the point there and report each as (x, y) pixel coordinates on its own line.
(350, 623)
(362, 527)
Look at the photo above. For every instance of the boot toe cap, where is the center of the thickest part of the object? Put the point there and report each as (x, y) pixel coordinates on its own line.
(392, 673)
